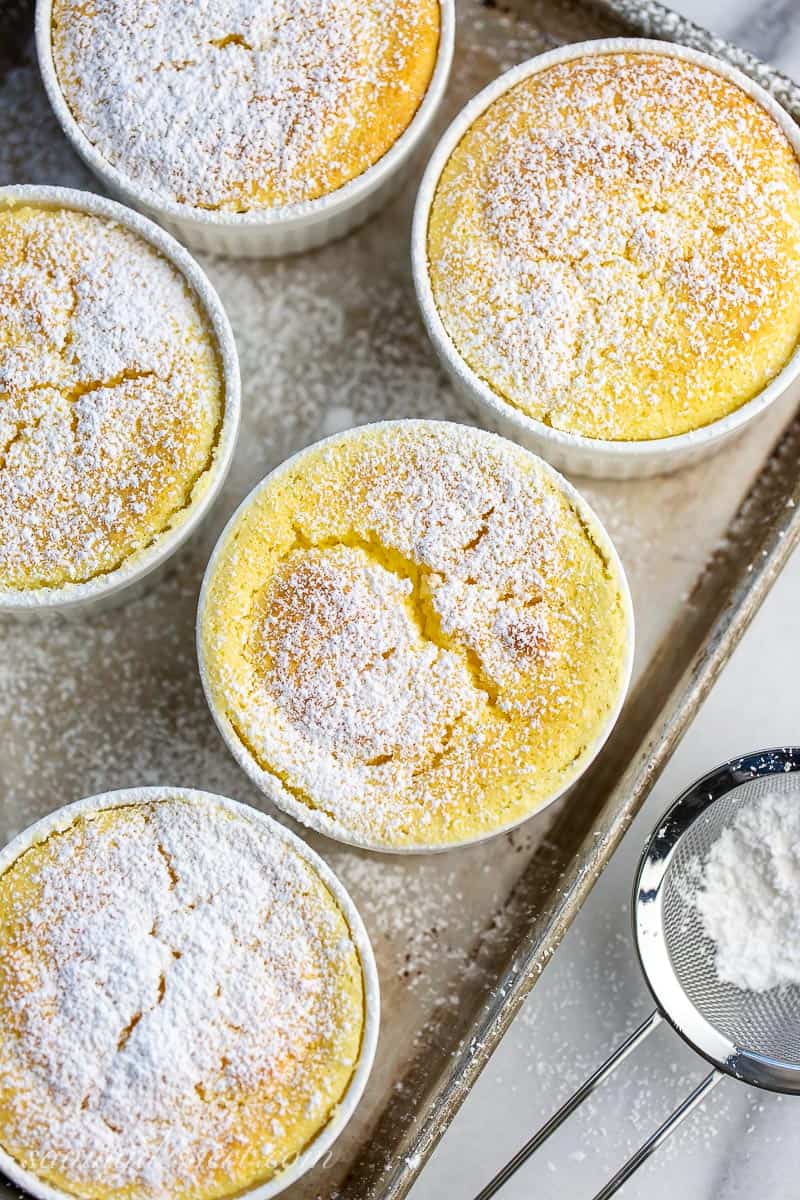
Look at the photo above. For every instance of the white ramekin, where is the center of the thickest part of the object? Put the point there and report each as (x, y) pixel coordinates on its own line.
(62, 818)
(264, 233)
(593, 457)
(137, 572)
(320, 821)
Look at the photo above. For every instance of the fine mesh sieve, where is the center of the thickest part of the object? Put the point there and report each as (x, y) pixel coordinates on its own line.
(753, 1036)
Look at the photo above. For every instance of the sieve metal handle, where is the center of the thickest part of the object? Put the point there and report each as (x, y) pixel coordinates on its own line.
(586, 1089)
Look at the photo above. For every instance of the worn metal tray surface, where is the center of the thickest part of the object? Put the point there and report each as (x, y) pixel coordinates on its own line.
(326, 341)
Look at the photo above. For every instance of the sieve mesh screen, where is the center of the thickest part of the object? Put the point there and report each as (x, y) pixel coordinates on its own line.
(764, 1023)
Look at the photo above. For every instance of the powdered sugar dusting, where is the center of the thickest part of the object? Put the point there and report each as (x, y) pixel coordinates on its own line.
(110, 395)
(239, 104)
(615, 246)
(180, 994)
(339, 607)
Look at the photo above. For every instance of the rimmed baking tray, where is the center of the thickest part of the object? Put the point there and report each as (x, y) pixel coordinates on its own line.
(329, 340)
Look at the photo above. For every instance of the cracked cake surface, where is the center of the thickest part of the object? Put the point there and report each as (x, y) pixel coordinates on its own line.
(614, 246)
(244, 104)
(414, 634)
(182, 1003)
(111, 396)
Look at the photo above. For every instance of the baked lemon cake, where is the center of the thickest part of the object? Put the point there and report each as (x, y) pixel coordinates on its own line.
(614, 246)
(413, 635)
(242, 105)
(182, 1003)
(111, 396)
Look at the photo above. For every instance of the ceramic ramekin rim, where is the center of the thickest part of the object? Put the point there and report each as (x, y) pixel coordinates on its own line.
(607, 450)
(313, 818)
(142, 562)
(287, 216)
(63, 817)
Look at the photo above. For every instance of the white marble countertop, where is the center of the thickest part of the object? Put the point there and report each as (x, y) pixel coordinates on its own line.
(742, 1143)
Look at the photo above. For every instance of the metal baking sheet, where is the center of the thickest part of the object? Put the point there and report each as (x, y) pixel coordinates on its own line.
(329, 340)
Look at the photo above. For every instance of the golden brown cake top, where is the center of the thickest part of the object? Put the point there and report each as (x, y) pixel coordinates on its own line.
(415, 634)
(242, 104)
(111, 396)
(181, 1003)
(614, 246)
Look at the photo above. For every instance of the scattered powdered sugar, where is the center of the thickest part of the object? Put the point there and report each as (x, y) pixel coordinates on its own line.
(241, 104)
(615, 241)
(748, 894)
(110, 395)
(180, 973)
